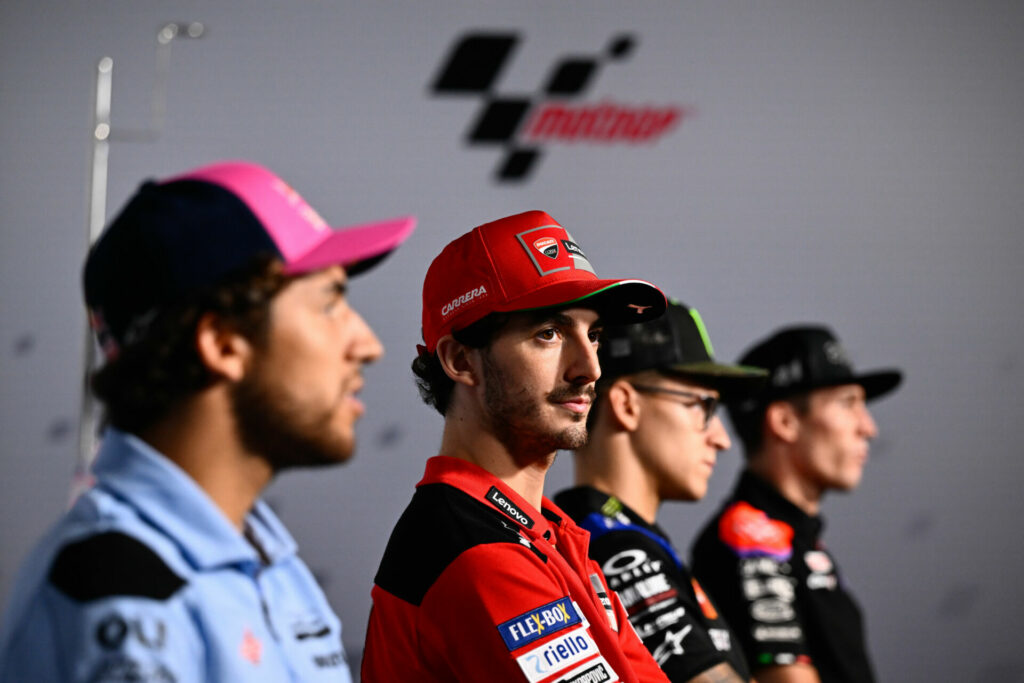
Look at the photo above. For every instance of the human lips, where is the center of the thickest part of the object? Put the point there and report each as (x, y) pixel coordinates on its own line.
(349, 393)
(573, 400)
(580, 404)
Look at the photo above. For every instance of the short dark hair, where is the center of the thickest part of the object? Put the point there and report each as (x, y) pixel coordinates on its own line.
(749, 425)
(434, 385)
(150, 376)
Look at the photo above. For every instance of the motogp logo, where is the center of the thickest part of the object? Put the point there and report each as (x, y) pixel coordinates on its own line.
(520, 125)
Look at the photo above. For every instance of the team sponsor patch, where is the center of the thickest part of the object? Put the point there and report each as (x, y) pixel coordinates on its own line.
(750, 532)
(112, 632)
(471, 296)
(501, 501)
(538, 623)
(557, 655)
(646, 594)
(595, 671)
(547, 246)
(818, 561)
(310, 627)
(772, 610)
(821, 576)
(721, 639)
(552, 249)
(606, 602)
(785, 634)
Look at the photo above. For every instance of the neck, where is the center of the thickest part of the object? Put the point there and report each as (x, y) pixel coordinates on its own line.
(200, 437)
(522, 471)
(610, 464)
(775, 465)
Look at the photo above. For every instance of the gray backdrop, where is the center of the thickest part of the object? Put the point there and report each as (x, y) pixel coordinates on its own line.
(858, 164)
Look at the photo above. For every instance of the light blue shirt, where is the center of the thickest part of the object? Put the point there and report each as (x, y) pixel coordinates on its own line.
(145, 579)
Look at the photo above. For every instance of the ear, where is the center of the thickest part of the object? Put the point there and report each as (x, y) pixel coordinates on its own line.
(781, 420)
(224, 351)
(459, 362)
(623, 405)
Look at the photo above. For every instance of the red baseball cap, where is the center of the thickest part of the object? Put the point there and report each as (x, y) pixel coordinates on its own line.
(523, 262)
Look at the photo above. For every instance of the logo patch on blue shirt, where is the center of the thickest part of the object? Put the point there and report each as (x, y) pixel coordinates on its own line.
(538, 623)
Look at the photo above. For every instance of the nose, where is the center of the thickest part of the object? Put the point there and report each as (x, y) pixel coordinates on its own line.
(365, 346)
(584, 367)
(718, 438)
(867, 424)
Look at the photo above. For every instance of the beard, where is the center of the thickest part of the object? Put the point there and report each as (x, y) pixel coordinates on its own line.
(285, 433)
(515, 413)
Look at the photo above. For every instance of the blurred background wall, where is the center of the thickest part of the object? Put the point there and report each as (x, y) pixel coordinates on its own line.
(858, 164)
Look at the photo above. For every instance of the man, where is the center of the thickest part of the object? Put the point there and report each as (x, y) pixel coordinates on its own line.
(761, 557)
(654, 436)
(232, 354)
(483, 578)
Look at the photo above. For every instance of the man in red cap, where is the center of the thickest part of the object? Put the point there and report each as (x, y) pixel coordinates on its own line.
(232, 353)
(484, 578)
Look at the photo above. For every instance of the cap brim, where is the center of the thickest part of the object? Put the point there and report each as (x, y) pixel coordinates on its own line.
(358, 248)
(878, 383)
(616, 301)
(731, 381)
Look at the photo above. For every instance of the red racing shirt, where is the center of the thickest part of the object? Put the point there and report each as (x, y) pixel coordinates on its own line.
(477, 585)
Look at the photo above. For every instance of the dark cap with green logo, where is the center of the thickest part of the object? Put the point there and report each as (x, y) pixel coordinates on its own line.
(676, 343)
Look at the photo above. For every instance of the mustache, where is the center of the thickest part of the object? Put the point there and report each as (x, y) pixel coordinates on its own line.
(569, 393)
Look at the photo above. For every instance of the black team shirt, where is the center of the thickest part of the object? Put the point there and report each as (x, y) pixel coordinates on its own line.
(666, 605)
(761, 560)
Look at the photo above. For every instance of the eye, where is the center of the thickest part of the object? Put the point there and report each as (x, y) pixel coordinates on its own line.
(335, 298)
(595, 336)
(547, 334)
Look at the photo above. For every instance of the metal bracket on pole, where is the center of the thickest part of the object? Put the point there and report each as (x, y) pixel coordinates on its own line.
(102, 135)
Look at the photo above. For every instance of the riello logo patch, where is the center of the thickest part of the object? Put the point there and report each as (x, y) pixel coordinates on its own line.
(522, 126)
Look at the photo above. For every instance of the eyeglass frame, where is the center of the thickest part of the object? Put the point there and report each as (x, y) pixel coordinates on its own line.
(708, 403)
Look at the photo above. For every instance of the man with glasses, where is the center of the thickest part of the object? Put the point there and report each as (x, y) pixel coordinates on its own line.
(761, 557)
(654, 436)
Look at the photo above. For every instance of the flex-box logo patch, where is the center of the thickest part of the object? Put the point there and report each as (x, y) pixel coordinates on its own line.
(521, 125)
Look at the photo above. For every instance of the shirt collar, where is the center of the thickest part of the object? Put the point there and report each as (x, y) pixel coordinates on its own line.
(580, 501)
(763, 495)
(481, 484)
(169, 499)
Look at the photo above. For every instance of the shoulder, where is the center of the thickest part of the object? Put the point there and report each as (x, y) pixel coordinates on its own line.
(440, 524)
(109, 564)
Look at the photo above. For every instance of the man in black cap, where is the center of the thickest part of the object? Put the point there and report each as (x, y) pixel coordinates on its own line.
(761, 557)
(654, 436)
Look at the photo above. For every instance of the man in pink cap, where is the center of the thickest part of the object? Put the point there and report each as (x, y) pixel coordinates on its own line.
(232, 353)
(484, 579)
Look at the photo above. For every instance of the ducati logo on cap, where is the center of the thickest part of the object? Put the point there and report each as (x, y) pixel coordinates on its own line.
(560, 251)
(547, 246)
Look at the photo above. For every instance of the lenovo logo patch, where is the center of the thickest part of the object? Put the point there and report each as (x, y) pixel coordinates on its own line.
(498, 499)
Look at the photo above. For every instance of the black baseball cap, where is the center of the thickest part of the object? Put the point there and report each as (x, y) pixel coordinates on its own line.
(182, 235)
(676, 343)
(803, 358)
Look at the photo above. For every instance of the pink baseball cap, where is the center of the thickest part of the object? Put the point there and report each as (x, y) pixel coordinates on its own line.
(523, 262)
(188, 233)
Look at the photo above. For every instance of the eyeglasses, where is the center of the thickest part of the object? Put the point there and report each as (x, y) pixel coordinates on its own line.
(707, 402)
